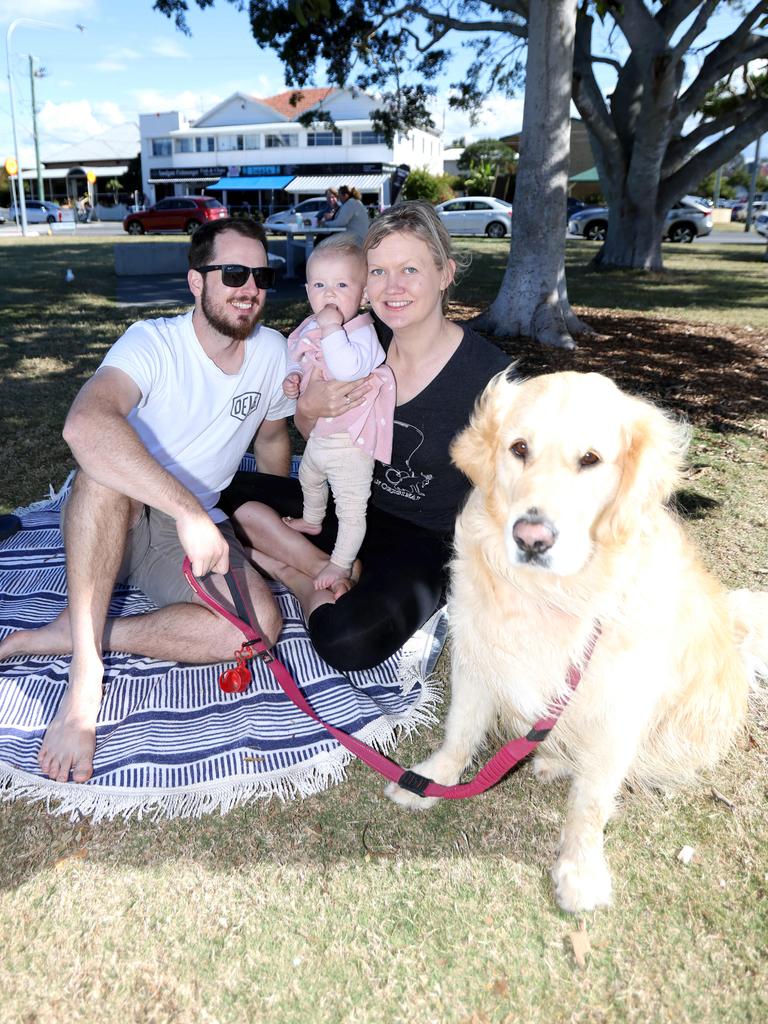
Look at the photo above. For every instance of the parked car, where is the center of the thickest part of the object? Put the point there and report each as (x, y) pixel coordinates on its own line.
(307, 210)
(683, 223)
(761, 224)
(476, 215)
(177, 213)
(574, 205)
(39, 211)
(739, 211)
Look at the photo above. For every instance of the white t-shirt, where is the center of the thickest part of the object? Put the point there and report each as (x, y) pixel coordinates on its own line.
(193, 418)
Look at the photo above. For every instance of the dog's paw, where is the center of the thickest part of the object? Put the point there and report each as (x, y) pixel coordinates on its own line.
(405, 798)
(582, 884)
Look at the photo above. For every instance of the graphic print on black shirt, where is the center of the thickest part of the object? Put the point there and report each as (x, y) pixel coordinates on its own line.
(400, 477)
(421, 484)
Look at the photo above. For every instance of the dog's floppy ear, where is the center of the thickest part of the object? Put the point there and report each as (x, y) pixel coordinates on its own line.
(654, 452)
(473, 451)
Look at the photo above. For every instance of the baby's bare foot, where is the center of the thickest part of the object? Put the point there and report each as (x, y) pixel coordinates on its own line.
(330, 577)
(302, 526)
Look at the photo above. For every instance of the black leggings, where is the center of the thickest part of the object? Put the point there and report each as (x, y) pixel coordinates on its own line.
(402, 583)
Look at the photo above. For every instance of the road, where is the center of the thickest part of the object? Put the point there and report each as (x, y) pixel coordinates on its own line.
(114, 229)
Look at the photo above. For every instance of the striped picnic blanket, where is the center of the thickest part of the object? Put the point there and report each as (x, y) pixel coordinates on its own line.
(169, 742)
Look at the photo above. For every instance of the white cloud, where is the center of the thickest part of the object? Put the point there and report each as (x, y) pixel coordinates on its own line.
(193, 104)
(169, 48)
(109, 112)
(109, 65)
(62, 123)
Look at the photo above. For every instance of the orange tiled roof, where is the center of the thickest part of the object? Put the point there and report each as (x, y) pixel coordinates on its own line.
(308, 98)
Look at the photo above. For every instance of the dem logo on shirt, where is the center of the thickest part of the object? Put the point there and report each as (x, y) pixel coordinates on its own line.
(244, 405)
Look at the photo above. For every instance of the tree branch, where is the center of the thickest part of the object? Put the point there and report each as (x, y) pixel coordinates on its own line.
(697, 27)
(729, 54)
(679, 150)
(587, 95)
(638, 25)
(475, 26)
(715, 155)
(606, 60)
(671, 15)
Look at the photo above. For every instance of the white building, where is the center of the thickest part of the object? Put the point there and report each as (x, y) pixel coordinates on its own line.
(254, 150)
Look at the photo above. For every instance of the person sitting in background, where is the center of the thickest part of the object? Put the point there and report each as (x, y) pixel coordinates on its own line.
(331, 208)
(352, 215)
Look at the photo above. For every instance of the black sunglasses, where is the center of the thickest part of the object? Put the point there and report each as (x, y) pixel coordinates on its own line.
(234, 275)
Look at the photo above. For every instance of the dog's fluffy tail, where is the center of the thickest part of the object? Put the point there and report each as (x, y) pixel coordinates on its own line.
(749, 611)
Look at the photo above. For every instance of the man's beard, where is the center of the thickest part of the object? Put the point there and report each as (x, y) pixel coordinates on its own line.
(238, 331)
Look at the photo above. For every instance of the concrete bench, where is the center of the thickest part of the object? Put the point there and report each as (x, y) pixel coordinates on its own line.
(143, 258)
(135, 258)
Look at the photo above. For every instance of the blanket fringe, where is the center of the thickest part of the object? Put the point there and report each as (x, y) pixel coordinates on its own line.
(103, 803)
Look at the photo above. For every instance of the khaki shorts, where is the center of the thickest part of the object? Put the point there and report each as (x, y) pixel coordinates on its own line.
(154, 558)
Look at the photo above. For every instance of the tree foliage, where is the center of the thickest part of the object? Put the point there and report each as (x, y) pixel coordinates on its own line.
(499, 155)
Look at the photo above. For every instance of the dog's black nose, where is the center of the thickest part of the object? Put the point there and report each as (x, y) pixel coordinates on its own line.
(534, 536)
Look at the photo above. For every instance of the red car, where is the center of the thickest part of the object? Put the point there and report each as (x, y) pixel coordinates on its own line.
(177, 213)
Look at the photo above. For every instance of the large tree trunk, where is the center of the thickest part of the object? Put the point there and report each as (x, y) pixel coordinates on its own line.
(533, 299)
(633, 238)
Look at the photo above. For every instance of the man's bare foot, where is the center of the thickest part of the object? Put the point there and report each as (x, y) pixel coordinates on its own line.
(55, 638)
(70, 740)
(302, 526)
(331, 575)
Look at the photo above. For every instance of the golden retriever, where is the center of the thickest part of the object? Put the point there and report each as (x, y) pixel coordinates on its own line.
(566, 527)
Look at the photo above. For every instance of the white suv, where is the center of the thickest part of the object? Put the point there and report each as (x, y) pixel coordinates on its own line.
(307, 210)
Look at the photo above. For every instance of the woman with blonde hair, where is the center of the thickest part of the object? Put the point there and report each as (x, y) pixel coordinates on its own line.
(440, 367)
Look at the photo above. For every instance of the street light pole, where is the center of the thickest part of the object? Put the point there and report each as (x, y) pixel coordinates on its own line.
(32, 76)
(22, 206)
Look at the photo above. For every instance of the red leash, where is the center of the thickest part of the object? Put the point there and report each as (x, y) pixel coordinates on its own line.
(236, 680)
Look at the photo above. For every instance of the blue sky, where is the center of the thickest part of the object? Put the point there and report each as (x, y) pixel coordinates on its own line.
(129, 59)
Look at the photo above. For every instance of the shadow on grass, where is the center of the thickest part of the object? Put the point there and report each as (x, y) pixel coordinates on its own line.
(710, 377)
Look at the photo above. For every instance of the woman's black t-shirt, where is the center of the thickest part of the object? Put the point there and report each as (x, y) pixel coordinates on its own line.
(421, 484)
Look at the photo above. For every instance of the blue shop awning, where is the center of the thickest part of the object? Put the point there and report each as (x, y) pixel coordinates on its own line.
(243, 184)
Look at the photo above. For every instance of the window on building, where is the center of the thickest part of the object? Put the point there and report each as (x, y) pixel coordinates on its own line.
(324, 138)
(228, 142)
(367, 138)
(251, 142)
(205, 144)
(276, 141)
(184, 145)
(162, 147)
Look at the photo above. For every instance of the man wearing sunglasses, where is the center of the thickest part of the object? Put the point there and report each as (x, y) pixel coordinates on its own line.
(158, 432)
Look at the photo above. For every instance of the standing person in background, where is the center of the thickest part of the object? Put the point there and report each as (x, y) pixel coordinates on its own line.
(353, 215)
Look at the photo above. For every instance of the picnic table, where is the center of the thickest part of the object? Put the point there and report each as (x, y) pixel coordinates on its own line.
(301, 241)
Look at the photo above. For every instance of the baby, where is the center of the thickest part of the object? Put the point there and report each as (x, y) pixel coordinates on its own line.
(340, 344)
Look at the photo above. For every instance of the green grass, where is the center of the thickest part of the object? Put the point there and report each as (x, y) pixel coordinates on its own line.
(341, 908)
(701, 283)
